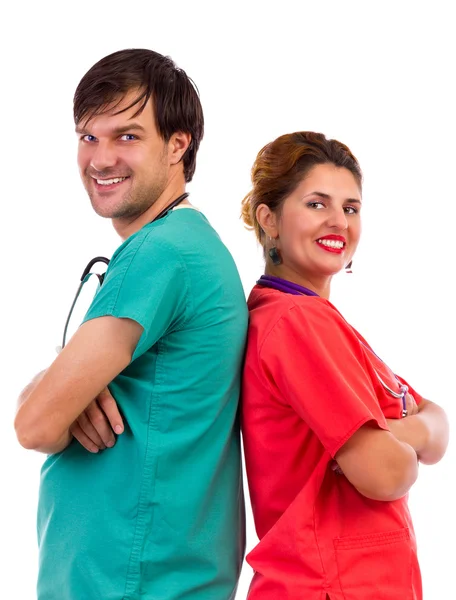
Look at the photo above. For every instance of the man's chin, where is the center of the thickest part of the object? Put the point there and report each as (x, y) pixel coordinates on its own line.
(106, 207)
(115, 212)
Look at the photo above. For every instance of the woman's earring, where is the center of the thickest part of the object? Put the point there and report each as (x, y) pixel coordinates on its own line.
(348, 268)
(274, 255)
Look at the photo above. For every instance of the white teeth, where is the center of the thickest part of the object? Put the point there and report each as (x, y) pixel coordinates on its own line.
(332, 243)
(110, 181)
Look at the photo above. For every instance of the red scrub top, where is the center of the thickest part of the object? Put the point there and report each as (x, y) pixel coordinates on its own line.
(310, 382)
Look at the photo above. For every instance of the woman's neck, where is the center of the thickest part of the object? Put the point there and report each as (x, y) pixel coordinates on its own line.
(320, 286)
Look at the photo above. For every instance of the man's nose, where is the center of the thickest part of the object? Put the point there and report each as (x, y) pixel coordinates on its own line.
(103, 156)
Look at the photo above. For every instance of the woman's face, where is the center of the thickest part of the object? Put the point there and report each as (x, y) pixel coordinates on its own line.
(319, 226)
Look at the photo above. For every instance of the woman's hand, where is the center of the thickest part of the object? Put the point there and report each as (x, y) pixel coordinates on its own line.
(410, 405)
(406, 429)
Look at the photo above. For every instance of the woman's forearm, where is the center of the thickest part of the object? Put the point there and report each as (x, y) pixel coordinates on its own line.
(436, 422)
(427, 432)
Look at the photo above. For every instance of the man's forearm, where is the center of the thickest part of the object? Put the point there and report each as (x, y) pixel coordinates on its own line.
(65, 439)
(58, 446)
(29, 389)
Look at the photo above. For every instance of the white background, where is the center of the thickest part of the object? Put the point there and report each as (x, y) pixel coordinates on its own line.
(377, 76)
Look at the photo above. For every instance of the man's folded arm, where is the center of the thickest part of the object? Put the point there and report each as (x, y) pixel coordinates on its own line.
(99, 350)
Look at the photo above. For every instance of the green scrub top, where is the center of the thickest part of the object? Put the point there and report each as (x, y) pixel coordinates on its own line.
(161, 514)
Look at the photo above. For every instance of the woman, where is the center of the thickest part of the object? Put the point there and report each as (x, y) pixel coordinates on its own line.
(332, 437)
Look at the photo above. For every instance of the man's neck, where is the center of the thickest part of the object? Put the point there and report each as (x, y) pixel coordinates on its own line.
(127, 227)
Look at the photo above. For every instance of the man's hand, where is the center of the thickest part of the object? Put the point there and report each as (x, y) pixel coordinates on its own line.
(95, 427)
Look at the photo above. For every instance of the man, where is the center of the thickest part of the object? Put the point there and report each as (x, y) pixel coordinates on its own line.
(158, 514)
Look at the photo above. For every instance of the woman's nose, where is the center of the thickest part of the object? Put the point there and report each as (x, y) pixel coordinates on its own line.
(338, 219)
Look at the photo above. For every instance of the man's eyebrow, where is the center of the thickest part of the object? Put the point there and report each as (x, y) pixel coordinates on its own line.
(116, 131)
(128, 128)
(328, 197)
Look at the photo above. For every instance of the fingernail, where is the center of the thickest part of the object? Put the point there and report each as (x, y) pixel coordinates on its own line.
(110, 444)
(118, 429)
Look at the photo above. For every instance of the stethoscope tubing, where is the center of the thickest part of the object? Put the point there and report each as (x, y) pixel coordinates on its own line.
(288, 287)
(86, 273)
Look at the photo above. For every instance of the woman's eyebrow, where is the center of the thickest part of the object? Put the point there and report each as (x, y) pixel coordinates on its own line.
(328, 197)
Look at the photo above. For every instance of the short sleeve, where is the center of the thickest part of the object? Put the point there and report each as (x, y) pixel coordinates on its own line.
(314, 362)
(146, 282)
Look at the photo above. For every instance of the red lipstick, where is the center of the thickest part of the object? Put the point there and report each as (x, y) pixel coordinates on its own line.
(332, 243)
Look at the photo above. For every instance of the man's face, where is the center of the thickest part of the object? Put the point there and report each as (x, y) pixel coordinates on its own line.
(122, 160)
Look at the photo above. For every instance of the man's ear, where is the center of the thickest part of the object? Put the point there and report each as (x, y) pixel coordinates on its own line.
(177, 146)
(267, 220)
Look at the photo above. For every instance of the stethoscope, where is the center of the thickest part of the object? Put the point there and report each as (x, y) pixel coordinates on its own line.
(101, 259)
(288, 287)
